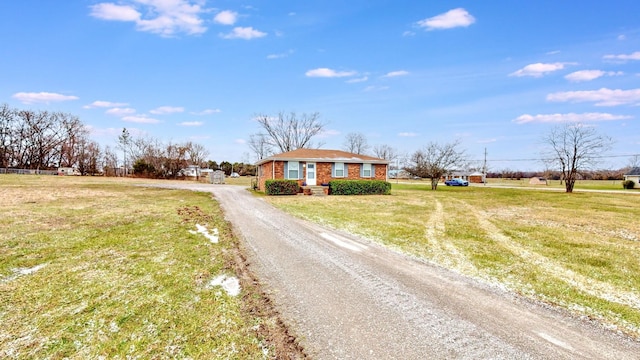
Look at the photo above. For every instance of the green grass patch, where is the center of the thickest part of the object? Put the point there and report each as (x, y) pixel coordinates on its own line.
(94, 267)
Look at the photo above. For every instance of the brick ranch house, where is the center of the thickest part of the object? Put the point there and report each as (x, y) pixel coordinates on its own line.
(315, 167)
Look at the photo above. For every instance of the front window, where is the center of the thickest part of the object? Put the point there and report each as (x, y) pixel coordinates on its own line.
(366, 170)
(339, 170)
(293, 171)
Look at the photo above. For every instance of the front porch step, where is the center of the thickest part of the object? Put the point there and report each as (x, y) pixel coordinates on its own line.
(314, 190)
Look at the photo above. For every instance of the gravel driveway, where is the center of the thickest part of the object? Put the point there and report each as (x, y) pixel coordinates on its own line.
(347, 298)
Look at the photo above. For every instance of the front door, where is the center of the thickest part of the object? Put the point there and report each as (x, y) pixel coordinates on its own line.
(311, 174)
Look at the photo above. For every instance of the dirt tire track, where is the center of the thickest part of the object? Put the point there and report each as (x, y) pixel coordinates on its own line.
(445, 252)
(585, 284)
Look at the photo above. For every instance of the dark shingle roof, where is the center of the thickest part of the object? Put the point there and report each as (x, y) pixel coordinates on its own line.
(634, 171)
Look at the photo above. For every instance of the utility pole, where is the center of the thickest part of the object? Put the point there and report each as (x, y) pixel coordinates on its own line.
(484, 168)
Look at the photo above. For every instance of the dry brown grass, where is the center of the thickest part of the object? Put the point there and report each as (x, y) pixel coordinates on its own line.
(577, 251)
(100, 268)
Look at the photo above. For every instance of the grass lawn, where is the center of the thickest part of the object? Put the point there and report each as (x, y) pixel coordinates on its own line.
(578, 251)
(97, 267)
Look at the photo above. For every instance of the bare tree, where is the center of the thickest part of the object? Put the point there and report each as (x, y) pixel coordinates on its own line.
(88, 157)
(574, 147)
(124, 143)
(385, 152)
(259, 144)
(435, 161)
(110, 162)
(7, 121)
(197, 153)
(356, 143)
(634, 162)
(74, 134)
(289, 132)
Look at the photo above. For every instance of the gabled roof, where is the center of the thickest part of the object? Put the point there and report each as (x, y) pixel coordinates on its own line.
(633, 171)
(322, 155)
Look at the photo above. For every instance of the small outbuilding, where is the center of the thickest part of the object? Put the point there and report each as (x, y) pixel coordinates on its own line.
(633, 175)
(476, 178)
(216, 177)
(537, 181)
(68, 171)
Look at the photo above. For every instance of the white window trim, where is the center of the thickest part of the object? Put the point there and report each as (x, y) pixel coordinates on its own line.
(364, 170)
(295, 167)
(341, 169)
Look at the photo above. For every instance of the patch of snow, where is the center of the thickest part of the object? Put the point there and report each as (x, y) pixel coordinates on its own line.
(29, 271)
(113, 327)
(17, 272)
(230, 284)
(203, 230)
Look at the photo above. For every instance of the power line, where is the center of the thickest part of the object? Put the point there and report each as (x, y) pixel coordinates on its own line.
(549, 159)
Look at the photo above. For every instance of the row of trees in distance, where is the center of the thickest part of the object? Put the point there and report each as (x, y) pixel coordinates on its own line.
(45, 140)
(572, 150)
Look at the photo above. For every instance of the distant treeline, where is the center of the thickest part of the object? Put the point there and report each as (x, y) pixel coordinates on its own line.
(45, 140)
(557, 175)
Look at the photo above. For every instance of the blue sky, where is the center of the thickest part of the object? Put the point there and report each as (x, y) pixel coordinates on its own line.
(494, 74)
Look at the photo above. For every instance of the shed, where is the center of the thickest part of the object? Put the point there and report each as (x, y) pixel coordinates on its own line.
(476, 177)
(216, 177)
(537, 181)
(633, 175)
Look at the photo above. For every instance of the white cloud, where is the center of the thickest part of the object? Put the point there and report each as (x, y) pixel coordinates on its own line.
(622, 37)
(191, 123)
(453, 18)
(623, 57)
(326, 72)
(408, 134)
(163, 17)
(588, 75)
(539, 69)
(207, 112)
(554, 52)
(167, 110)
(140, 119)
(601, 97)
(246, 33)
(328, 133)
(570, 117)
(110, 11)
(408, 33)
(358, 80)
(487, 141)
(396, 73)
(200, 137)
(120, 111)
(226, 17)
(104, 104)
(240, 141)
(41, 97)
(376, 88)
(279, 56)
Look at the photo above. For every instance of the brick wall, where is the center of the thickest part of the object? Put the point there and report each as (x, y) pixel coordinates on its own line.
(323, 173)
(267, 171)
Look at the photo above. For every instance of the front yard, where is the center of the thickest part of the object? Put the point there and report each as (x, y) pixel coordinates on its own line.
(577, 251)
